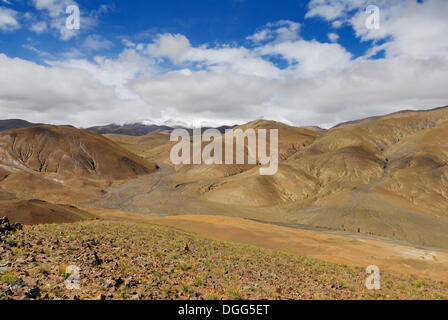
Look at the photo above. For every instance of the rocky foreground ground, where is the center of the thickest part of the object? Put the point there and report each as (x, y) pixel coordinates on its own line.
(142, 261)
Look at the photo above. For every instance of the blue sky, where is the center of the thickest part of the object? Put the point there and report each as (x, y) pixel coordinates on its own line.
(220, 61)
(201, 21)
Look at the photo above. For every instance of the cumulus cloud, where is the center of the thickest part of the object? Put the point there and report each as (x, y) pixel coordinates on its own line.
(366, 88)
(115, 73)
(408, 27)
(310, 57)
(178, 49)
(185, 95)
(8, 21)
(61, 95)
(172, 46)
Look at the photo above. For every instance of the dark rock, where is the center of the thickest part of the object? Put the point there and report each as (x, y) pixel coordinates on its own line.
(33, 293)
(92, 258)
(6, 226)
(131, 283)
(118, 282)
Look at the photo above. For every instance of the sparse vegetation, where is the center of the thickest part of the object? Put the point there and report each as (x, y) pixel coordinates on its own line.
(143, 261)
(8, 278)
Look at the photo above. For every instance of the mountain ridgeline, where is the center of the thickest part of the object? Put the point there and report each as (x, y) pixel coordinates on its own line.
(383, 176)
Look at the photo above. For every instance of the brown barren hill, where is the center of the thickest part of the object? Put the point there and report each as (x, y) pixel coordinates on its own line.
(384, 176)
(154, 146)
(33, 212)
(401, 157)
(58, 162)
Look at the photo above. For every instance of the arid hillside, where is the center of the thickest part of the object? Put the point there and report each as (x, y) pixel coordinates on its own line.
(138, 261)
(383, 176)
(63, 163)
(366, 192)
(35, 212)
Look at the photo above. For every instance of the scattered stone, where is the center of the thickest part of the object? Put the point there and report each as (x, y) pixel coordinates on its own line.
(92, 258)
(6, 226)
(5, 264)
(131, 283)
(135, 297)
(118, 282)
(20, 262)
(33, 293)
(108, 284)
(101, 297)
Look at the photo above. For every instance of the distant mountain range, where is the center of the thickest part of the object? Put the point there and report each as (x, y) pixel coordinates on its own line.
(16, 124)
(134, 129)
(141, 129)
(131, 129)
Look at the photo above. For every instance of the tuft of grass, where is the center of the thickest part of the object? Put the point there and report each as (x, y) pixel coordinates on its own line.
(8, 278)
(198, 282)
(184, 267)
(11, 243)
(186, 288)
(420, 284)
(57, 292)
(123, 266)
(168, 289)
(235, 295)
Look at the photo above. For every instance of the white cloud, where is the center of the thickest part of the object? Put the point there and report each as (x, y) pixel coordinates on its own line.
(207, 95)
(172, 46)
(261, 36)
(128, 43)
(96, 42)
(407, 26)
(366, 88)
(8, 21)
(39, 27)
(32, 48)
(114, 73)
(413, 29)
(283, 30)
(56, 17)
(310, 57)
(337, 24)
(178, 49)
(61, 95)
(333, 10)
(333, 37)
